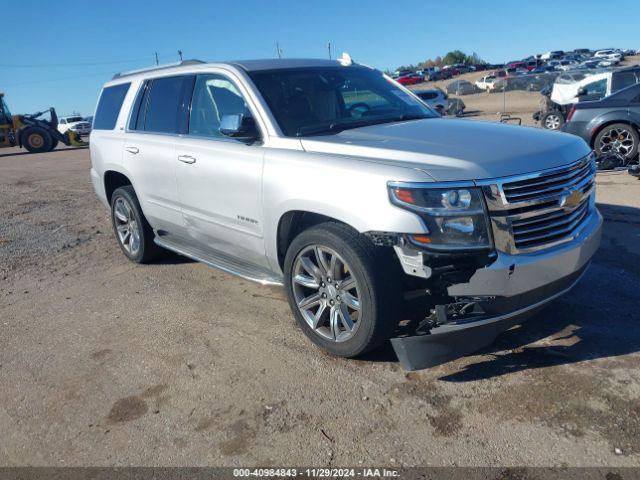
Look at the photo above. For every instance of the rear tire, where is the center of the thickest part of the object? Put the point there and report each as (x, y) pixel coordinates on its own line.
(552, 120)
(37, 140)
(620, 138)
(363, 277)
(133, 232)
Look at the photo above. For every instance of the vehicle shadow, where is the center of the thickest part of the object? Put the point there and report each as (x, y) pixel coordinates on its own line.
(599, 318)
(168, 257)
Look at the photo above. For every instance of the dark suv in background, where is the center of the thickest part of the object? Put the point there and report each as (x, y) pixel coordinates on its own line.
(609, 125)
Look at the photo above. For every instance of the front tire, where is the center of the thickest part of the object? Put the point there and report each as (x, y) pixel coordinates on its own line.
(341, 289)
(37, 140)
(133, 232)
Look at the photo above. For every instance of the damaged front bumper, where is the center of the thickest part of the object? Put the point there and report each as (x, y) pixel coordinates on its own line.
(495, 297)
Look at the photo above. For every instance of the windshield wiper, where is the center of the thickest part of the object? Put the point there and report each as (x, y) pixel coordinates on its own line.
(337, 127)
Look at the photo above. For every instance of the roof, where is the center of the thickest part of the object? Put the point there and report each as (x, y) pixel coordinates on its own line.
(248, 65)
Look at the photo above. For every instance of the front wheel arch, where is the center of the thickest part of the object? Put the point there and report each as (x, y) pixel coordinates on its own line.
(292, 223)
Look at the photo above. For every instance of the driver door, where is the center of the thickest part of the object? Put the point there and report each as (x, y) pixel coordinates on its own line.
(220, 178)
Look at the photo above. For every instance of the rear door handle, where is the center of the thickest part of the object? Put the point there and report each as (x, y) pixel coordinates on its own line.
(133, 150)
(186, 159)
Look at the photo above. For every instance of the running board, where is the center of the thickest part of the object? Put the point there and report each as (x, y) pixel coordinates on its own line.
(222, 262)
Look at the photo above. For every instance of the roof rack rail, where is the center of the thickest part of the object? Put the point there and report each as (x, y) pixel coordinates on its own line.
(161, 67)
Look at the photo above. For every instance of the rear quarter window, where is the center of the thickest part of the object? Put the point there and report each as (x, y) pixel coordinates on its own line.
(109, 106)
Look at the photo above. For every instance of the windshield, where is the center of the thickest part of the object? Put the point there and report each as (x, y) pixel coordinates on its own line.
(4, 112)
(313, 101)
(73, 119)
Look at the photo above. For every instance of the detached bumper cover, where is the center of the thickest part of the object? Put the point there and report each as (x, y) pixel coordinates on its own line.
(523, 284)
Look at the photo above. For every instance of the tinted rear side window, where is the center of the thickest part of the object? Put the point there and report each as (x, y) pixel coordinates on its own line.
(109, 106)
(165, 110)
(623, 80)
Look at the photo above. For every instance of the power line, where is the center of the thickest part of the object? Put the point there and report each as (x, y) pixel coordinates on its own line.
(83, 64)
(60, 79)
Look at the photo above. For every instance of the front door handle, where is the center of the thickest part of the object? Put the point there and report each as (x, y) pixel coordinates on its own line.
(133, 150)
(186, 159)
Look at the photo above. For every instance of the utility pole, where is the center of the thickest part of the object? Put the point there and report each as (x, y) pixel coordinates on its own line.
(180, 54)
(329, 48)
(279, 50)
(156, 58)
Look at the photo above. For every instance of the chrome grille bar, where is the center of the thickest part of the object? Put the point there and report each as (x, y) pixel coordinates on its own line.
(542, 209)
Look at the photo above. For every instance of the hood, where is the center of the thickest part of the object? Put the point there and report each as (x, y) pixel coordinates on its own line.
(453, 150)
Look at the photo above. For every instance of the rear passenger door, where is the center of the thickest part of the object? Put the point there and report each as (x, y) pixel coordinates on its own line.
(159, 115)
(220, 178)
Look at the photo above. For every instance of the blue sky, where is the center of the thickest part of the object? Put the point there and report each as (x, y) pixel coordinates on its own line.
(59, 53)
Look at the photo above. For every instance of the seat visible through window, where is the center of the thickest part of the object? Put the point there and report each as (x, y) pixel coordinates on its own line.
(213, 97)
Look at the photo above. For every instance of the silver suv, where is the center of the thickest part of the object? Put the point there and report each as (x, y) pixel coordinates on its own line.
(381, 219)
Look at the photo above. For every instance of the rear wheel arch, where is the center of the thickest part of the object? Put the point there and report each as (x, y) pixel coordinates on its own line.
(114, 180)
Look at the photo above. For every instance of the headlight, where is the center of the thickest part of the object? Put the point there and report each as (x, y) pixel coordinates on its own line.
(455, 217)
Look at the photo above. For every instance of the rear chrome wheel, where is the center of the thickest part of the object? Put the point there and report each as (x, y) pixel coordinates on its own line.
(127, 227)
(326, 293)
(134, 234)
(618, 138)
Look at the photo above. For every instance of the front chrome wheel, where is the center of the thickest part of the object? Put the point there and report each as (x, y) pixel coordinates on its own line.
(617, 140)
(126, 226)
(326, 293)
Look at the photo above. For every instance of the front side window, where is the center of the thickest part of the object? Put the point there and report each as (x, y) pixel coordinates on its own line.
(326, 100)
(214, 96)
(109, 106)
(597, 88)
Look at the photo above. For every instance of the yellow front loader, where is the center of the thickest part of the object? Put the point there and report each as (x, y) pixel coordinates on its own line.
(33, 133)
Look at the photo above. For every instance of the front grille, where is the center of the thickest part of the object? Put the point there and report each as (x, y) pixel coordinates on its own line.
(579, 175)
(543, 209)
(548, 227)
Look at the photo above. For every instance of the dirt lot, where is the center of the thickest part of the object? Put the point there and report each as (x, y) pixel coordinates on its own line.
(103, 362)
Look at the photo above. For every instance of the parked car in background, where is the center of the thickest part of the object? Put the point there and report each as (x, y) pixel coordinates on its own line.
(434, 97)
(564, 93)
(75, 124)
(461, 87)
(428, 73)
(410, 79)
(401, 73)
(486, 83)
(517, 65)
(596, 86)
(609, 125)
(443, 74)
(552, 55)
(441, 102)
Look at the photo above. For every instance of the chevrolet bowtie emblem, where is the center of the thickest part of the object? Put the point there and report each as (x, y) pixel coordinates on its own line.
(571, 199)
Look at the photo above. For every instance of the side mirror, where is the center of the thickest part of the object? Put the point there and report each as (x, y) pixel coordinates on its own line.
(239, 127)
(581, 91)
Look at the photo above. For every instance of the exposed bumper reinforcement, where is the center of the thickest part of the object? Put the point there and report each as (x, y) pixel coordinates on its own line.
(451, 341)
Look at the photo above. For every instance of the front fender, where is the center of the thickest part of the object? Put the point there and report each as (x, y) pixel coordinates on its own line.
(347, 189)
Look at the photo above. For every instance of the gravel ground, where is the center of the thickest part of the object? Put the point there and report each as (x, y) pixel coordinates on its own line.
(104, 362)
